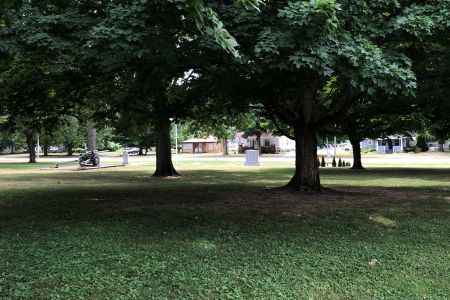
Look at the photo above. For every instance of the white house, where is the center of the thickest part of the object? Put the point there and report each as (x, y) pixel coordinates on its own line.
(434, 146)
(389, 145)
(282, 143)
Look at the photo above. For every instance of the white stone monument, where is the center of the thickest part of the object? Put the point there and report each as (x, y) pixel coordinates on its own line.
(252, 158)
(125, 157)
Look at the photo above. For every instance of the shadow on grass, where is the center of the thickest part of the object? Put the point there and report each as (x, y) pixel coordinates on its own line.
(219, 234)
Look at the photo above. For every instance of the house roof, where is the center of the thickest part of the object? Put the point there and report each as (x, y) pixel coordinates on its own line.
(264, 135)
(199, 141)
(239, 134)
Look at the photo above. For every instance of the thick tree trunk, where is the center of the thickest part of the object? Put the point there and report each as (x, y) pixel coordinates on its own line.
(306, 177)
(164, 165)
(225, 146)
(357, 164)
(69, 149)
(91, 136)
(141, 151)
(31, 143)
(441, 146)
(46, 146)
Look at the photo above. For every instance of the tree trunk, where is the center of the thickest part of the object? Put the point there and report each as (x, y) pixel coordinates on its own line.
(141, 151)
(12, 147)
(357, 164)
(69, 149)
(91, 136)
(31, 143)
(164, 165)
(225, 146)
(46, 146)
(306, 177)
(441, 146)
(258, 142)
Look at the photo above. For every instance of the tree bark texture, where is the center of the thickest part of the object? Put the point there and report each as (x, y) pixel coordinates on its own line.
(306, 176)
(31, 143)
(258, 142)
(46, 146)
(164, 165)
(441, 146)
(357, 164)
(91, 136)
(69, 149)
(225, 146)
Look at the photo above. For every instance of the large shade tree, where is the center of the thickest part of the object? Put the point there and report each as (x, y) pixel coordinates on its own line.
(308, 62)
(155, 42)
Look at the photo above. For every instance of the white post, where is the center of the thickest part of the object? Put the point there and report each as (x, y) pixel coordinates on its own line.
(125, 157)
(328, 152)
(37, 154)
(334, 146)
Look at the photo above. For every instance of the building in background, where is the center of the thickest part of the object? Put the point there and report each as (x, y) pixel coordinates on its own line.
(209, 145)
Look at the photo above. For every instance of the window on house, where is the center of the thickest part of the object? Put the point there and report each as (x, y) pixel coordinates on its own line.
(266, 143)
(383, 143)
(187, 146)
(396, 142)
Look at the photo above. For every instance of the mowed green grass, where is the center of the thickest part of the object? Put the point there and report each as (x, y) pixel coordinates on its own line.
(218, 232)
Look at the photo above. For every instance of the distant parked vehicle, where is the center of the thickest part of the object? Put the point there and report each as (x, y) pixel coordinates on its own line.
(131, 150)
(347, 147)
(54, 149)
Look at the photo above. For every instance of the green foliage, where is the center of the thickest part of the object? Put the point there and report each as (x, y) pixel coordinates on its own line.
(69, 131)
(368, 150)
(333, 163)
(339, 163)
(105, 139)
(322, 162)
(422, 143)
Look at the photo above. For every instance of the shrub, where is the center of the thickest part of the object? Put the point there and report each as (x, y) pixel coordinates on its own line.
(78, 150)
(322, 163)
(340, 163)
(412, 148)
(333, 164)
(272, 149)
(111, 146)
(368, 150)
(422, 143)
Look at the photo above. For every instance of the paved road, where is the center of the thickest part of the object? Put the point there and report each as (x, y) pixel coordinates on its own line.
(437, 159)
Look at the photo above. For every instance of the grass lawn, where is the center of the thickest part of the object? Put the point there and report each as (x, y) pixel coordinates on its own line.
(217, 232)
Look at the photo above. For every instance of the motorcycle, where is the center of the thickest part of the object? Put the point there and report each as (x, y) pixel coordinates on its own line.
(89, 158)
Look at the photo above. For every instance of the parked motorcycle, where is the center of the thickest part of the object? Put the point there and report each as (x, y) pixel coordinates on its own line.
(89, 158)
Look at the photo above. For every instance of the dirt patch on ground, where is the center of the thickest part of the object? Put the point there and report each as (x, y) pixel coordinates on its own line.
(225, 202)
(269, 202)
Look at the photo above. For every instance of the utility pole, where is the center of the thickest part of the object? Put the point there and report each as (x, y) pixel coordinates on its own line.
(328, 151)
(335, 146)
(38, 147)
